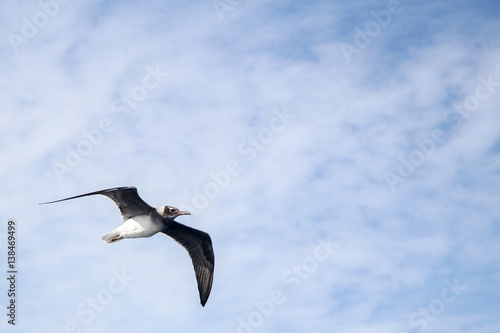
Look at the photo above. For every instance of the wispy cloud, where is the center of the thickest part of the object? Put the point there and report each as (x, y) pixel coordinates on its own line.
(274, 140)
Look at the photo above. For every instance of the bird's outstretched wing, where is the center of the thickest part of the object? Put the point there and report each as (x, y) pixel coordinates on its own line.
(199, 246)
(126, 198)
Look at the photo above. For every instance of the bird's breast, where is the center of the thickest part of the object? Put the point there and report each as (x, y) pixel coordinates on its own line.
(140, 226)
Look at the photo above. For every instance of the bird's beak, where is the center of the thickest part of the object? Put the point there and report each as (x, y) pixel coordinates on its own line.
(184, 213)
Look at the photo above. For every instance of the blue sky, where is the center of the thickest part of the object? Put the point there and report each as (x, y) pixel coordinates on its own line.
(344, 158)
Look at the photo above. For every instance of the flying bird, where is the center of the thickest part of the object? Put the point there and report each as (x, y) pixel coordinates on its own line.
(142, 220)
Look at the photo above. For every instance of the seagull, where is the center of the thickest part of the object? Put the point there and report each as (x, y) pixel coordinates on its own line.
(142, 220)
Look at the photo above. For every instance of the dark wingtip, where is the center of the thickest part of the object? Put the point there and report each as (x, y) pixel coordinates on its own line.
(49, 202)
(203, 300)
(92, 193)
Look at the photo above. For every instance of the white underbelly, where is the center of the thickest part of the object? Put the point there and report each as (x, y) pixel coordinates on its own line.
(139, 226)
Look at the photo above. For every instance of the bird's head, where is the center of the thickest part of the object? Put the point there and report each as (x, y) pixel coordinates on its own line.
(170, 212)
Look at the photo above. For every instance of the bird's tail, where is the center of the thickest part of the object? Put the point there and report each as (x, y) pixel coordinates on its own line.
(111, 237)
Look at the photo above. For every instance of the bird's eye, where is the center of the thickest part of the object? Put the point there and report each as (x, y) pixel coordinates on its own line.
(172, 210)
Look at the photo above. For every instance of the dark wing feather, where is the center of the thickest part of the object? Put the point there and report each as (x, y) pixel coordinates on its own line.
(199, 246)
(126, 198)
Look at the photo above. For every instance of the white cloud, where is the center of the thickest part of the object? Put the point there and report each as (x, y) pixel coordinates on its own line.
(323, 175)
